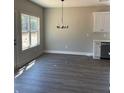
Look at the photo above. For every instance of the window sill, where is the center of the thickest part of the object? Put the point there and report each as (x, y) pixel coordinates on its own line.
(29, 48)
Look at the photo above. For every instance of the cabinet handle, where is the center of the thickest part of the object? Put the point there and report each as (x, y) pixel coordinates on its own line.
(14, 42)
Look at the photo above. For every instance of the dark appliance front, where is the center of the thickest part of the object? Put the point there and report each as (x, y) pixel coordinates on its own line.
(105, 50)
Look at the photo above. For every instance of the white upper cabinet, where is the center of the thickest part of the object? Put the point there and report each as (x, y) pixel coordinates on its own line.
(101, 22)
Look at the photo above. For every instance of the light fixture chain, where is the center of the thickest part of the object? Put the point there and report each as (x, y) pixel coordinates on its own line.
(62, 12)
(62, 26)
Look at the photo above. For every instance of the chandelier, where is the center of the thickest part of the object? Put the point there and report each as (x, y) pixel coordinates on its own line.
(62, 26)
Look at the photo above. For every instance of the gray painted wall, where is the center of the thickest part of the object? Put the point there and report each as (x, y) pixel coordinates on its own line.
(24, 6)
(79, 37)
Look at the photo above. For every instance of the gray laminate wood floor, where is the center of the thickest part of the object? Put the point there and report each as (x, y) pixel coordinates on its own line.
(57, 73)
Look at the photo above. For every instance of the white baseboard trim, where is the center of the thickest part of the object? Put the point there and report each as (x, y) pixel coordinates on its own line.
(69, 52)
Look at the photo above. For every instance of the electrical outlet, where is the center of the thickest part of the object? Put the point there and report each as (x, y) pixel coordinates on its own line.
(105, 35)
(66, 46)
(87, 35)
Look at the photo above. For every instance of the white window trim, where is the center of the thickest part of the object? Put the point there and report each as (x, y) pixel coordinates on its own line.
(38, 43)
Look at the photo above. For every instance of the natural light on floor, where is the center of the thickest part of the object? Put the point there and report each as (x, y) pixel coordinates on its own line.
(25, 68)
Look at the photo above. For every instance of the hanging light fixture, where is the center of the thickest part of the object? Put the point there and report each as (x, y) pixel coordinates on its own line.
(62, 26)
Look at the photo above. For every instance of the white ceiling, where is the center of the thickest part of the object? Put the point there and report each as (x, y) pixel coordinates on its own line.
(70, 3)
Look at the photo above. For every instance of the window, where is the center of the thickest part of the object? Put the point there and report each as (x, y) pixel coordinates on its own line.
(30, 31)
